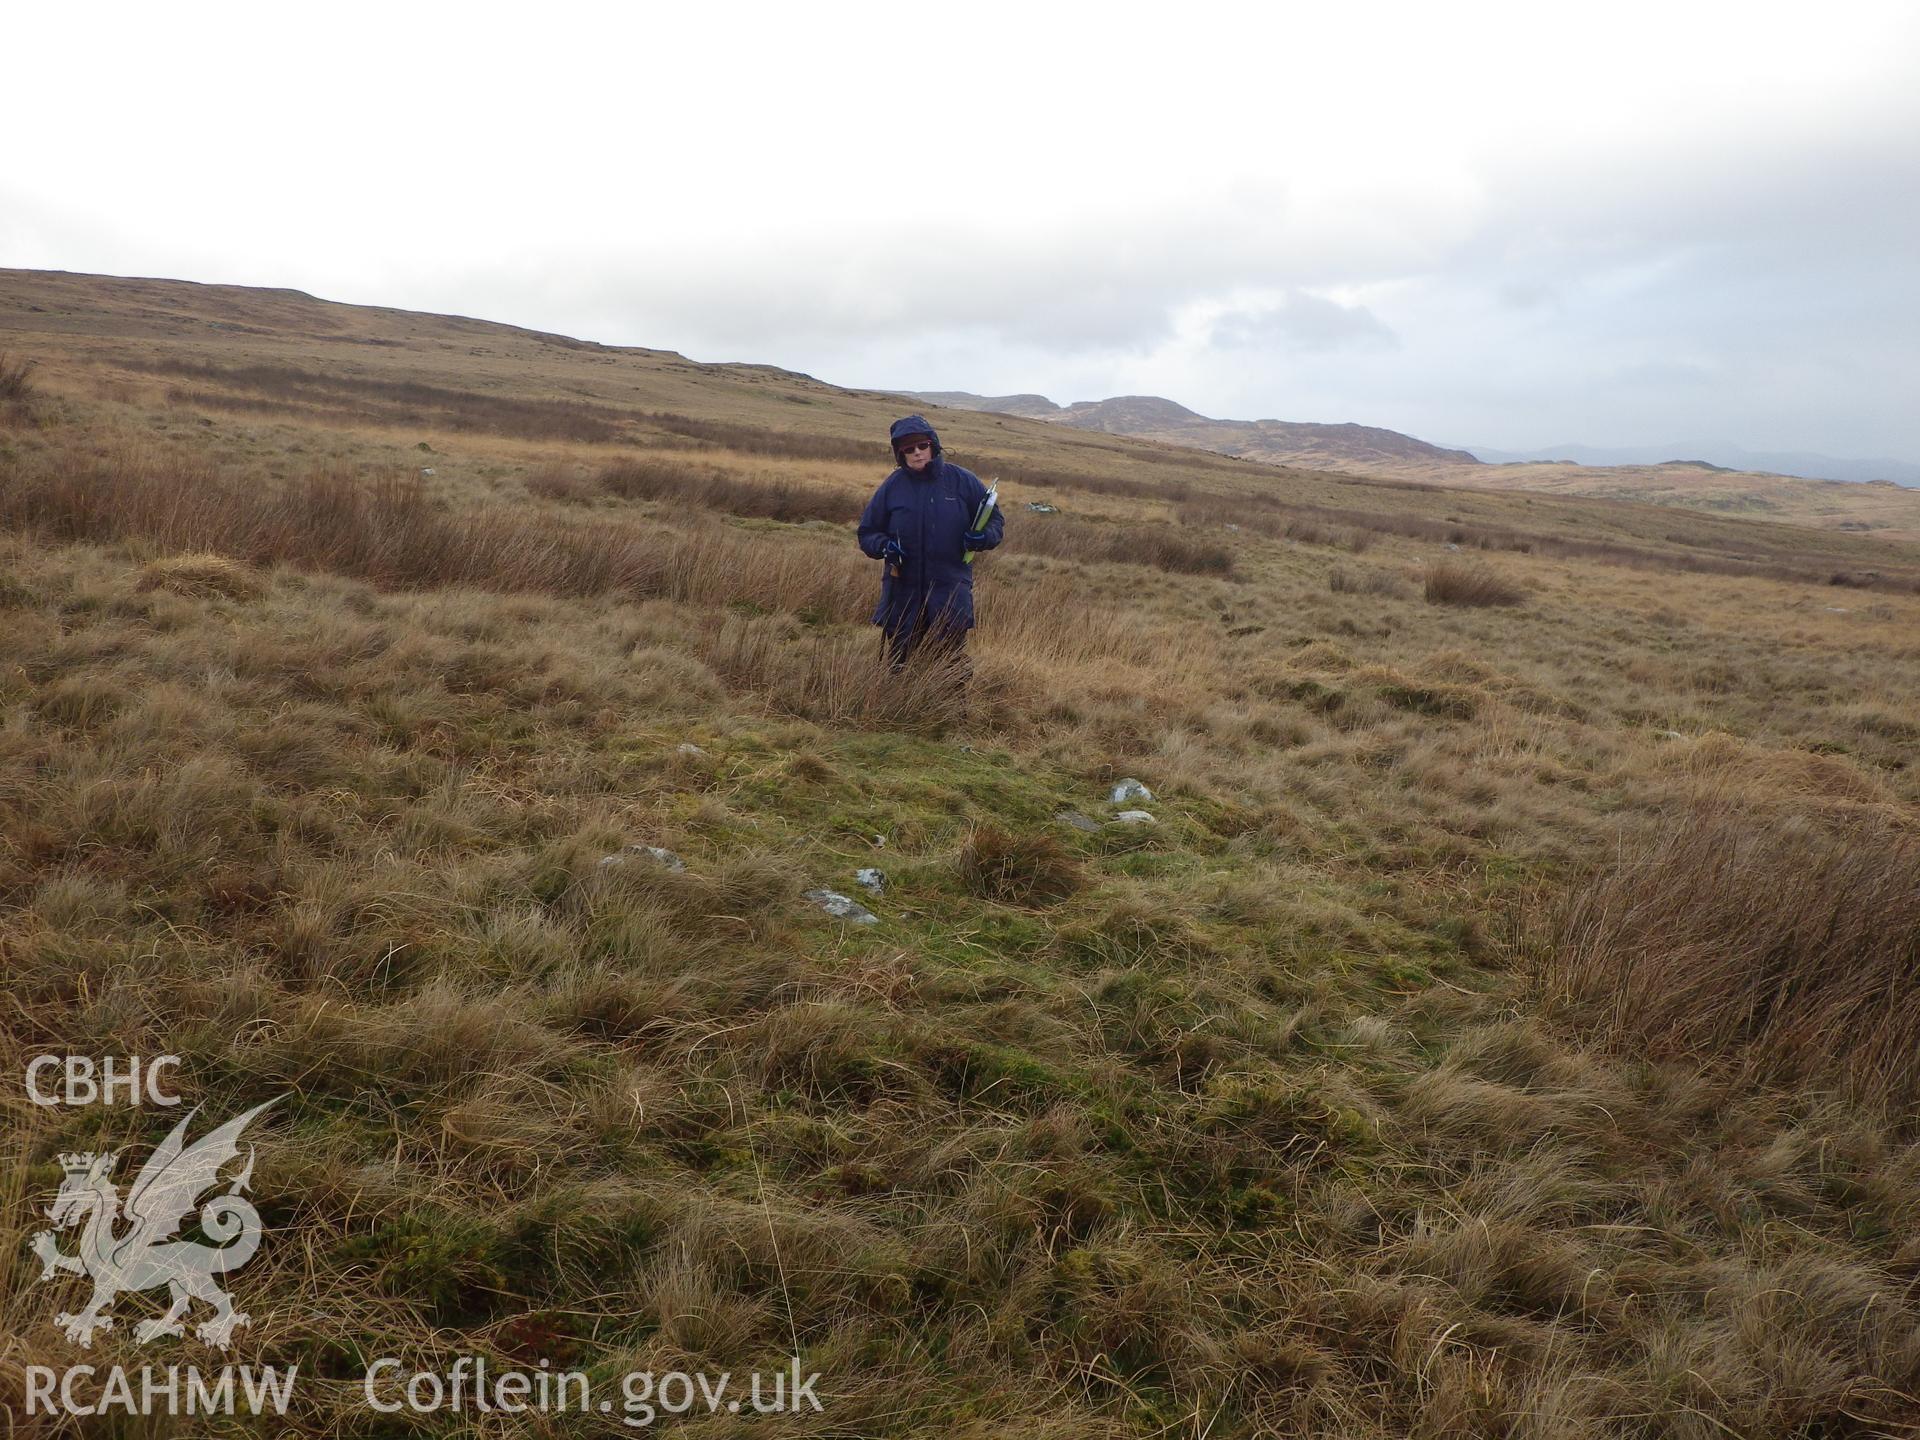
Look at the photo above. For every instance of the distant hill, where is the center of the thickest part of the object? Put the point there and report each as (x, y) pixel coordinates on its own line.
(1799, 463)
(1030, 407)
(1275, 442)
(1690, 477)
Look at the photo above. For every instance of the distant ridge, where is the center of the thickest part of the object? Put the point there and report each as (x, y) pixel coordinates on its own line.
(1028, 407)
(1802, 464)
(1690, 476)
(1154, 417)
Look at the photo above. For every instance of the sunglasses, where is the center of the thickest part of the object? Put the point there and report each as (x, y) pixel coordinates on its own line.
(915, 447)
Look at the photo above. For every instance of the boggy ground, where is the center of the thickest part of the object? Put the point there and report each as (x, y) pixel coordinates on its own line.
(1314, 1108)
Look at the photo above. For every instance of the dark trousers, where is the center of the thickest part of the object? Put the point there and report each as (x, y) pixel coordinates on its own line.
(934, 639)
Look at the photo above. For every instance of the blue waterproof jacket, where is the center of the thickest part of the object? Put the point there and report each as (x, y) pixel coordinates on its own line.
(929, 514)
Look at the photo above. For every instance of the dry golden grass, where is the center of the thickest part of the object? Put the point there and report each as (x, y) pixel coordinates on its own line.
(1159, 545)
(1451, 582)
(202, 575)
(16, 391)
(1344, 581)
(389, 529)
(16, 378)
(839, 679)
(715, 488)
(1741, 932)
(271, 388)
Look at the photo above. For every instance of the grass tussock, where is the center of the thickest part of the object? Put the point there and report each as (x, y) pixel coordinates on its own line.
(1762, 937)
(16, 378)
(203, 575)
(1343, 580)
(1018, 869)
(1454, 582)
(16, 389)
(840, 679)
(562, 482)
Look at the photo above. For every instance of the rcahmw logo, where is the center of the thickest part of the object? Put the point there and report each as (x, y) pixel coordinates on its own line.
(130, 1244)
(151, 1390)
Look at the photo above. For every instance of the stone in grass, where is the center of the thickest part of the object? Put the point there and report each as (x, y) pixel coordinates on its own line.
(687, 747)
(1130, 789)
(665, 858)
(1078, 821)
(871, 879)
(842, 908)
(1134, 817)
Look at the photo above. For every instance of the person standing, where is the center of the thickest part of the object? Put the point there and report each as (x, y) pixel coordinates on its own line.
(920, 524)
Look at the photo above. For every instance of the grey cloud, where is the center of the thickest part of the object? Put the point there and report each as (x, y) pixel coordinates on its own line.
(1109, 281)
(1307, 322)
(1524, 294)
(1758, 288)
(715, 307)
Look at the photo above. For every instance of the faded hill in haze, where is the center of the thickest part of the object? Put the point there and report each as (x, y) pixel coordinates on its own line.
(1801, 464)
(1274, 442)
(1029, 407)
(1367, 450)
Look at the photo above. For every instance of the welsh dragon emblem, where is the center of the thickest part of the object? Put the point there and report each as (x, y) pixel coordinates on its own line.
(142, 1253)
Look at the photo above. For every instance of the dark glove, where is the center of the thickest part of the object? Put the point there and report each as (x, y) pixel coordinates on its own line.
(975, 539)
(893, 554)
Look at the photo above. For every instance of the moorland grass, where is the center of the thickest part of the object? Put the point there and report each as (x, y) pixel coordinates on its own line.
(16, 377)
(1788, 946)
(1451, 582)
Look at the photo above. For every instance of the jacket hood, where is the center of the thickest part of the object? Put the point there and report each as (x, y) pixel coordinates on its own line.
(912, 425)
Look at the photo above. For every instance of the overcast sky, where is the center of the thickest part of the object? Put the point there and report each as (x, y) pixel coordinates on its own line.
(1503, 225)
